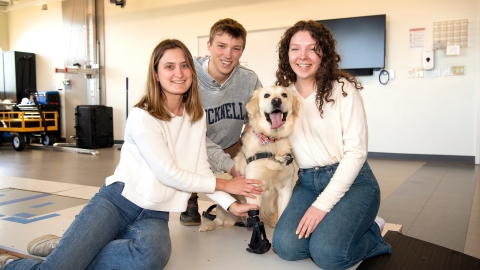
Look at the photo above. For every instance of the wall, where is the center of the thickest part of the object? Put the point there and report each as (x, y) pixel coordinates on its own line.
(3, 32)
(40, 31)
(429, 115)
(477, 87)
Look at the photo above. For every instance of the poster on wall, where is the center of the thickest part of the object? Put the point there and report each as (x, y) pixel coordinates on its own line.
(417, 38)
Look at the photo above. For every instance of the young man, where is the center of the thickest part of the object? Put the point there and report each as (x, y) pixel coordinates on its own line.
(225, 88)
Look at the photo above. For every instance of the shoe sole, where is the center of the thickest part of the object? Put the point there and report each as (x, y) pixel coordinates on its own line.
(190, 223)
(39, 240)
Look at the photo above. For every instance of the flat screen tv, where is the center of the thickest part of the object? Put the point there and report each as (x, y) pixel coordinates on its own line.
(360, 42)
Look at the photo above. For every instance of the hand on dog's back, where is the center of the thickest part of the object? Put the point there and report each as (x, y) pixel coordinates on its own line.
(241, 186)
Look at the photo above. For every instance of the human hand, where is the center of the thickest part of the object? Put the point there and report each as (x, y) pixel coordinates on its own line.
(241, 209)
(240, 186)
(310, 221)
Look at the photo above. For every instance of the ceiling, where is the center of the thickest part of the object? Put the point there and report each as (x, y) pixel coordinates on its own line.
(7, 5)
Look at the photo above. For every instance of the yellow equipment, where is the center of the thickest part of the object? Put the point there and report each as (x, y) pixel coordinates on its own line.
(23, 125)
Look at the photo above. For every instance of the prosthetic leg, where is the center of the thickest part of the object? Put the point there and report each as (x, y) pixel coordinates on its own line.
(259, 243)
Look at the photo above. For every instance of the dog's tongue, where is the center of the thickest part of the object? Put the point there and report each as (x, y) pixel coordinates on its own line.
(276, 120)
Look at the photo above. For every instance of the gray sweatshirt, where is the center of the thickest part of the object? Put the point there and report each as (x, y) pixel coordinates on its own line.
(225, 110)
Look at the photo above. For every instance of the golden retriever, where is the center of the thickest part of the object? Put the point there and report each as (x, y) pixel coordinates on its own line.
(266, 154)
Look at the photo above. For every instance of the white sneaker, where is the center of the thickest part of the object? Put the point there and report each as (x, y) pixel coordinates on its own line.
(6, 259)
(43, 245)
(380, 222)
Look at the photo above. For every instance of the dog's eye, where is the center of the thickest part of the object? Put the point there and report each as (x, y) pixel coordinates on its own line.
(284, 95)
(266, 96)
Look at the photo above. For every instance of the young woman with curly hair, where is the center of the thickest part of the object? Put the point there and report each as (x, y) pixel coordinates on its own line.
(331, 217)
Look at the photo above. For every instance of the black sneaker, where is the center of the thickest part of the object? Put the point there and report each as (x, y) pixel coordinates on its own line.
(191, 217)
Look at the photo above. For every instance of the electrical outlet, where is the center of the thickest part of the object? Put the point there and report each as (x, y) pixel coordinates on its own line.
(391, 72)
(458, 70)
(437, 72)
(419, 73)
(411, 73)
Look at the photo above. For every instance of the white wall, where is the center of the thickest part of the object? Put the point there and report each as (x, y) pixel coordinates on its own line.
(3, 32)
(477, 87)
(430, 115)
(39, 31)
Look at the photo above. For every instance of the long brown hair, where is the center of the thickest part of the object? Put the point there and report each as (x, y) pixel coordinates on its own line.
(154, 99)
(329, 70)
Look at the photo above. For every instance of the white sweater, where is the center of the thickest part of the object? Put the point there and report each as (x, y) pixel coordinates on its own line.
(161, 163)
(339, 137)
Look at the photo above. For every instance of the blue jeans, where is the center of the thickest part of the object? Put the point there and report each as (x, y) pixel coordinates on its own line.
(109, 233)
(347, 234)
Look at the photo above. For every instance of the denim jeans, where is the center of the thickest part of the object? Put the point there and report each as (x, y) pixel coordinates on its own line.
(109, 233)
(347, 234)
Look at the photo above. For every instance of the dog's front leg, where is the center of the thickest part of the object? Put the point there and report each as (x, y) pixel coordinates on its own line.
(256, 201)
(240, 163)
(284, 195)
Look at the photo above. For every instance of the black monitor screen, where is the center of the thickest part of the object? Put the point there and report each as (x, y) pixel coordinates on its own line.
(360, 41)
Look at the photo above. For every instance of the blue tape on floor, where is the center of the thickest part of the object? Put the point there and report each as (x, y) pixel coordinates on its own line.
(42, 205)
(1, 195)
(25, 199)
(28, 221)
(25, 215)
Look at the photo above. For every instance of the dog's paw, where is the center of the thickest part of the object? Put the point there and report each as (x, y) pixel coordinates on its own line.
(207, 227)
(283, 159)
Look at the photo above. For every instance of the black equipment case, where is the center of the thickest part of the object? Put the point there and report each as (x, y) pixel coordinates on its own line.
(94, 126)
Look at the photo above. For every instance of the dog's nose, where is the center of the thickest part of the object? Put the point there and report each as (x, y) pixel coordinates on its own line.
(276, 101)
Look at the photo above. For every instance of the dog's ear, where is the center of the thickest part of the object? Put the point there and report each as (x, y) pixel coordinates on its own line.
(252, 105)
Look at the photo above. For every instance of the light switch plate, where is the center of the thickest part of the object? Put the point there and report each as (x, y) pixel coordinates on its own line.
(447, 72)
(458, 70)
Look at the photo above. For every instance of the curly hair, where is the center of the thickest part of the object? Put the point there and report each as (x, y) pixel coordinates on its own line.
(328, 71)
(153, 101)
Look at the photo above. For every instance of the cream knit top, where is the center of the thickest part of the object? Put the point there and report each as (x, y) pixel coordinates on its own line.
(162, 162)
(341, 136)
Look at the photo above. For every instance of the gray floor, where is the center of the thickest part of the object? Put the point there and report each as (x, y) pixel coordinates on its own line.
(436, 202)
